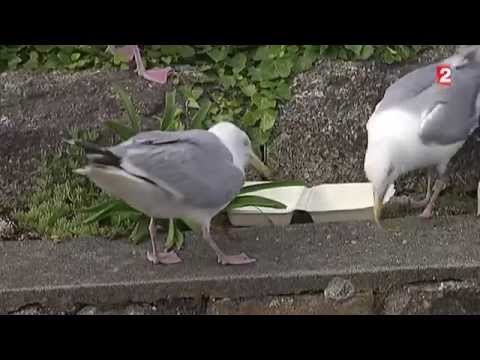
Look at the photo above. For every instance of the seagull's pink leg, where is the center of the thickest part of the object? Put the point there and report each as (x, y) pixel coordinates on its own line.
(240, 259)
(159, 75)
(165, 257)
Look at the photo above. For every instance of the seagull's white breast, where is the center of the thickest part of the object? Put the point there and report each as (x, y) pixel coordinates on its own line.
(401, 129)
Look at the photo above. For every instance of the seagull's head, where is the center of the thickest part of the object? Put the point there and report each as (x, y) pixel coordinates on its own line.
(240, 146)
(381, 172)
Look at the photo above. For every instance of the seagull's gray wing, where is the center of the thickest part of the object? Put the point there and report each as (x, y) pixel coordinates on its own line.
(450, 114)
(192, 166)
(407, 87)
(423, 78)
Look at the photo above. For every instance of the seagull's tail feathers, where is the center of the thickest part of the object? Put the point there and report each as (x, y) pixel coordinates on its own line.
(97, 154)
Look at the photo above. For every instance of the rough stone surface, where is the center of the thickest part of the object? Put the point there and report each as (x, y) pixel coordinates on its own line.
(292, 260)
(161, 307)
(360, 304)
(339, 290)
(321, 133)
(7, 227)
(37, 110)
(440, 298)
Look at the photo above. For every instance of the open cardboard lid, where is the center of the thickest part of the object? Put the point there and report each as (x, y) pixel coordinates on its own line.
(337, 197)
(321, 198)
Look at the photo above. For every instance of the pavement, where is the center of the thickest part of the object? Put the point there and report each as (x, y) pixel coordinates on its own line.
(295, 259)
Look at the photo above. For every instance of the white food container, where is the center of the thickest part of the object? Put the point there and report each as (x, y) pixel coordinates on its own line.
(325, 203)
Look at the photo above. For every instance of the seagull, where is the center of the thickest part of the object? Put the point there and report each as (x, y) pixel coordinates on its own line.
(421, 124)
(192, 174)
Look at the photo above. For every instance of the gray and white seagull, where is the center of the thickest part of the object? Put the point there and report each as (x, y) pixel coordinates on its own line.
(190, 174)
(420, 124)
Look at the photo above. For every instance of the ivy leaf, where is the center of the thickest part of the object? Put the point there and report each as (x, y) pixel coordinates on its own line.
(63, 57)
(262, 102)
(268, 119)
(166, 59)
(332, 51)
(218, 54)
(249, 90)
(342, 54)
(304, 62)
(183, 51)
(32, 63)
(268, 84)
(13, 62)
(357, 49)
(388, 57)
(268, 52)
(227, 81)
(404, 51)
(250, 118)
(255, 73)
(238, 62)
(51, 63)
(44, 48)
(192, 103)
(392, 51)
(268, 70)
(367, 52)
(197, 92)
(292, 49)
(282, 91)
(283, 67)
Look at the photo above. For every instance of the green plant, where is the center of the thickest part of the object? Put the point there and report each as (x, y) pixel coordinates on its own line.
(170, 120)
(241, 83)
(246, 82)
(52, 207)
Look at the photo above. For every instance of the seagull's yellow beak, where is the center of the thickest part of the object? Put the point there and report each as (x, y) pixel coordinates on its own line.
(260, 166)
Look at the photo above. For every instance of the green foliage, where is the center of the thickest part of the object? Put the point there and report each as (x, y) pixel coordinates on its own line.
(241, 83)
(53, 207)
(49, 57)
(245, 84)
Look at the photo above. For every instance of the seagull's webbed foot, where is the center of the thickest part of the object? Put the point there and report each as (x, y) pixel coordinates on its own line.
(426, 214)
(437, 189)
(419, 204)
(239, 259)
(159, 75)
(166, 258)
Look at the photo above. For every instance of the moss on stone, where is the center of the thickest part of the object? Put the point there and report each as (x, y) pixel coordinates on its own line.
(53, 208)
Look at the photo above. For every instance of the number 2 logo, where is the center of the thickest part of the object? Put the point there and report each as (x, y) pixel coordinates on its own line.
(444, 75)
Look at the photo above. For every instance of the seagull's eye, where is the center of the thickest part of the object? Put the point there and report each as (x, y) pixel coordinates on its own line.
(246, 143)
